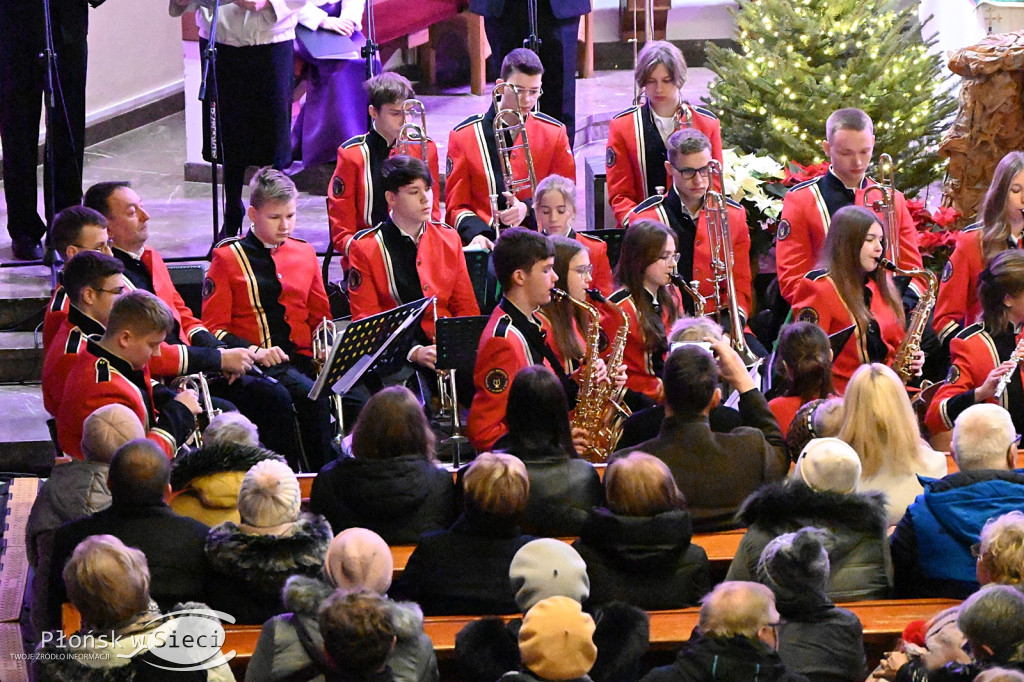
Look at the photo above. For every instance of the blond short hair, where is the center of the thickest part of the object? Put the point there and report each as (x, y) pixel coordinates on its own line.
(737, 609)
(640, 484)
(107, 581)
(497, 484)
(141, 313)
(560, 184)
(1002, 548)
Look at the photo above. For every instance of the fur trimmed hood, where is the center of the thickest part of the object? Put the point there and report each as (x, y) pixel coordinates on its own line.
(778, 505)
(265, 561)
(303, 595)
(214, 459)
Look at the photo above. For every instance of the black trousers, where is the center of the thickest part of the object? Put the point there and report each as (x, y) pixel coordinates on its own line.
(314, 416)
(557, 54)
(268, 405)
(22, 78)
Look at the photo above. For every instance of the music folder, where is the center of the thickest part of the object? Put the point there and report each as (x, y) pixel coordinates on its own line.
(323, 44)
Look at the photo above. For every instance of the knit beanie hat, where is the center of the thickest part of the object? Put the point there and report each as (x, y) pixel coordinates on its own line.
(547, 568)
(795, 564)
(359, 559)
(107, 429)
(829, 464)
(268, 501)
(556, 640)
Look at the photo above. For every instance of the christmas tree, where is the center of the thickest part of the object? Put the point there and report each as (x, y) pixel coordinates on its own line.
(800, 60)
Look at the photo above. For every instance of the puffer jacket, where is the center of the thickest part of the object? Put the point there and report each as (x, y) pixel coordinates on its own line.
(291, 647)
(728, 659)
(858, 552)
(399, 498)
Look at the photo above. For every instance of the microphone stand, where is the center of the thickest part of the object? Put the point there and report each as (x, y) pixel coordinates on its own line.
(211, 97)
(49, 54)
(532, 42)
(370, 50)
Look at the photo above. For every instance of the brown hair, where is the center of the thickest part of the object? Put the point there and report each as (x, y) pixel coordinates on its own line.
(995, 225)
(388, 88)
(563, 313)
(642, 245)
(804, 348)
(521, 60)
(107, 582)
(497, 485)
(664, 53)
(841, 256)
(685, 142)
(392, 424)
(358, 631)
(1003, 277)
(847, 119)
(640, 484)
(139, 312)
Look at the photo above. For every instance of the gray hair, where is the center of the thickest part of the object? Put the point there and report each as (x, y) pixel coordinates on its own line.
(270, 185)
(847, 119)
(982, 435)
(993, 617)
(694, 329)
(736, 608)
(232, 427)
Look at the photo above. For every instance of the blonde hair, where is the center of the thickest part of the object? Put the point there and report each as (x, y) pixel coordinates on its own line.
(695, 329)
(879, 422)
(560, 184)
(497, 484)
(1002, 548)
(640, 484)
(107, 582)
(736, 609)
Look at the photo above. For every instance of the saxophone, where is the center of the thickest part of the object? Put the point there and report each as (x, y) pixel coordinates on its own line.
(587, 379)
(918, 320)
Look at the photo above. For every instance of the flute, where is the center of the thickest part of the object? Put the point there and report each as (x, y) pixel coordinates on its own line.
(1016, 356)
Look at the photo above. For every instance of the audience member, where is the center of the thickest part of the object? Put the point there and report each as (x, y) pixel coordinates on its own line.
(822, 492)
(464, 570)
(392, 485)
(486, 648)
(563, 488)
(715, 471)
(880, 424)
(108, 583)
(735, 639)
(816, 638)
(358, 637)
(252, 559)
(816, 419)
(931, 546)
(206, 481)
(139, 517)
(992, 621)
(556, 642)
(638, 548)
(806, 359)
(1000, 551)
(74, 489)
(291, 646)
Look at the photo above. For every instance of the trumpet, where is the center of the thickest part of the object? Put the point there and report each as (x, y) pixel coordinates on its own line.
(722, 261)
(197, 384)
(412, 134)
(509, 125)
(885, 205)
(323, 340)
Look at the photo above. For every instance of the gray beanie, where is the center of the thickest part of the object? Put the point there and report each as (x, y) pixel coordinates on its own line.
(547, 568)
(795, 563)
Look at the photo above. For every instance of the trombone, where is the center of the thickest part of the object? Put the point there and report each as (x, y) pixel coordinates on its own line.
(885, 206)
(509, 125)
(197, 384)
(323, 340)
(412, 134)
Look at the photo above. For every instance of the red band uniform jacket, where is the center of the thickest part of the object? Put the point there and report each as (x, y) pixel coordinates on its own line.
(355, 201)
(974, 352)
(474, 172)
(694, 246)
(643, 367)
(100, 378)
(807, 211)
(379, 273)
(56, 313)
(958, 306)
(818, 302)
(598, 250)
(635, 155)
(255, 295)
(62, 352)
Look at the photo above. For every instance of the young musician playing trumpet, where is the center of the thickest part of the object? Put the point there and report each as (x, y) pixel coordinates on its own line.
(851, 288)
(556, 210)
(638, 136)
(1000, 226)
(982, 353)
(649, 299)
(354, 200)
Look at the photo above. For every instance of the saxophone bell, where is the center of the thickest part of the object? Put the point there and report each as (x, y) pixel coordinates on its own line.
(691, 289)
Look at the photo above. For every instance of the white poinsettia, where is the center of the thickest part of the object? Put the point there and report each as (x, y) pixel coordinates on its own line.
(744, 179)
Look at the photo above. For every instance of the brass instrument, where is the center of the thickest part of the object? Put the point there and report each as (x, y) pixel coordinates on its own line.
(411, 134)
(918, 320)
(509, 125)
(1016, 356)
(323, 340)
(885, 205)
(692, 290)
(722, 261)
(495, 220)
(197, 384)
(447, 395)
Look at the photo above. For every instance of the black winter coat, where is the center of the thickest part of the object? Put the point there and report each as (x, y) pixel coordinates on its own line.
(725, 659)
(644, 561)
(399, 498)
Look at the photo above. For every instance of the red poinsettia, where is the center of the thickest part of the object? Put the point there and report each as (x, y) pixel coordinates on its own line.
(936, 233)
(797, 172)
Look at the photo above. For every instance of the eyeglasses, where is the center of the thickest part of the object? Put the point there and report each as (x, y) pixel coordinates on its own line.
(116, 291)
(688, 173)
(671, 258)
(103, 248)
(531, 92)
(583, 270)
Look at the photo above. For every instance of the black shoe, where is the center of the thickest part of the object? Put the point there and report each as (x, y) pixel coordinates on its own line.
(24, 250)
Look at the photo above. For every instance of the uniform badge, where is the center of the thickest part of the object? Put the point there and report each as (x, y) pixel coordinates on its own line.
(783, 231)
(208, 288)
(808, 315)
(954, 374)
(947, 271)
(448, 165)
(496, 380)
(609, 158)
(354, 279)
(337, 186)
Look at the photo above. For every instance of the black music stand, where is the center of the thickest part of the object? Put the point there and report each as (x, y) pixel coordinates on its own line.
(379, 343)
(613, 238)
(457, 342)
(485, 285)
